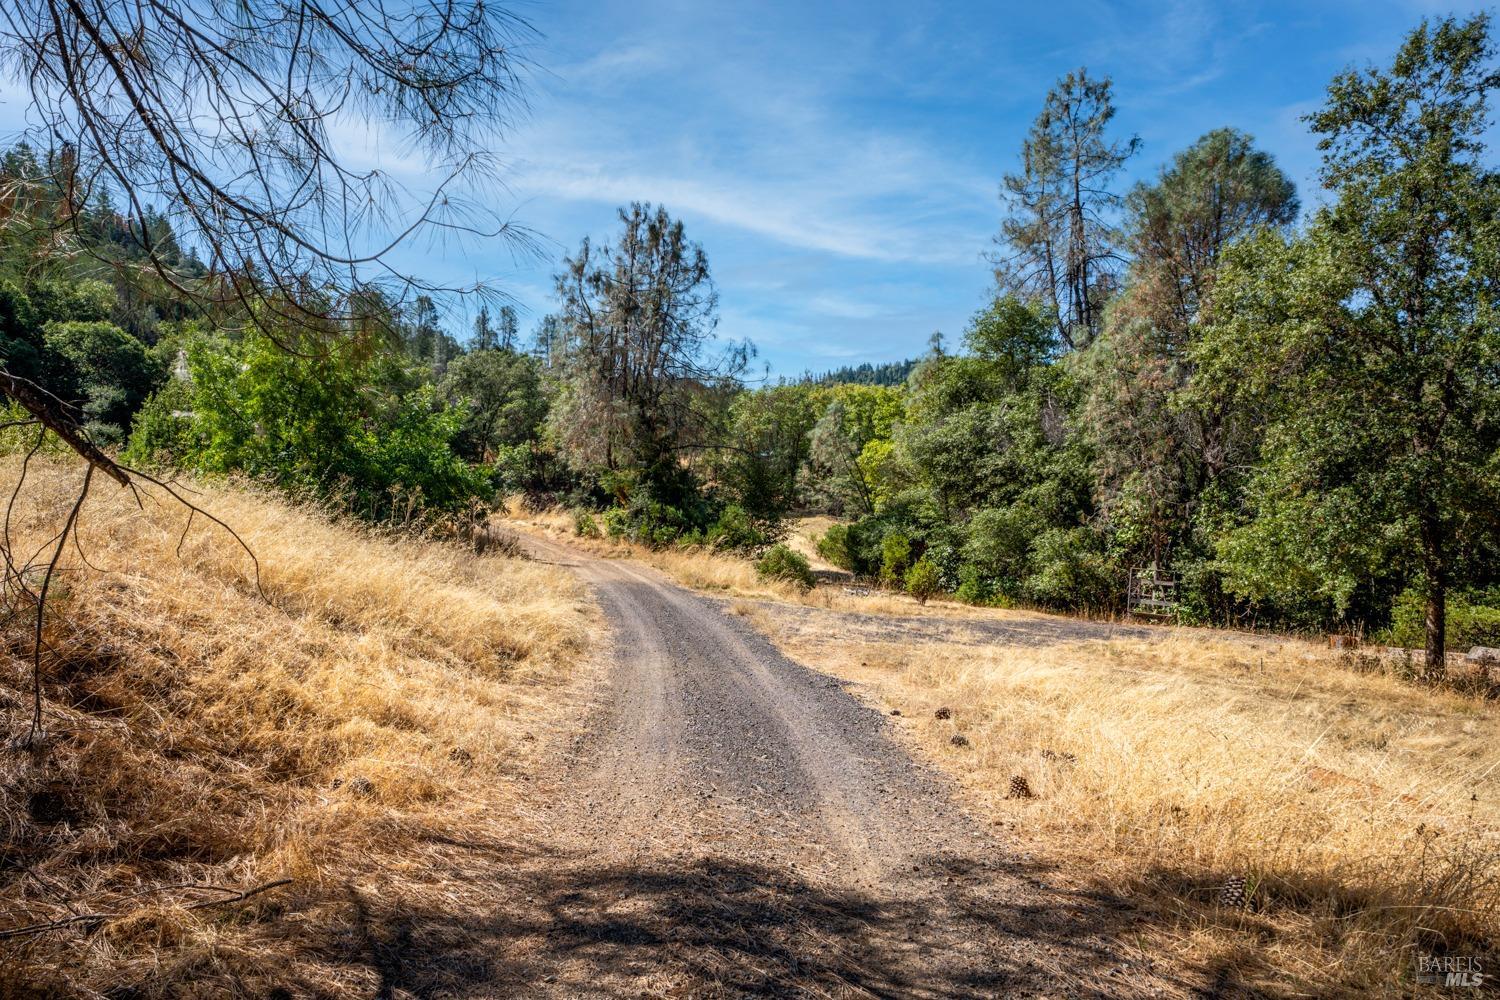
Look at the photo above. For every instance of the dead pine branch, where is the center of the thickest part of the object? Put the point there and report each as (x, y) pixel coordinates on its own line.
(34, 733)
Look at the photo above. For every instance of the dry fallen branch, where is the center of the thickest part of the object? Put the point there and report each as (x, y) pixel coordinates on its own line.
(53, 925)
(205, 904)
(99, 918)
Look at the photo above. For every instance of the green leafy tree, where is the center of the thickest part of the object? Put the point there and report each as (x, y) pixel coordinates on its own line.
(767, 445)
(845, 451)
(114, 373)
(1371, 342)
(1160, 456)
(500, 395)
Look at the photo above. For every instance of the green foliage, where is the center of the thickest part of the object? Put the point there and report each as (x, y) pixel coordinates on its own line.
(333, 421)
(735, 531)
(646, 522)
(1370, 344)
(84, 301)
(985, 462)
(783, 563)
(21, 346)
(870, 412)
(997, 548)
(616, 522)
(112, 371)
(584, 525)
(974, 587)
(892, 373)
(834, 546)
(1012, 337)
(1168, 448)
(1218, 190)
(164, 434)
(531, 469)
(895, 557)
(1071, 569)
(846, 454)
(768, 436)
(1473, 620)
(54, 336)
(500, 395)
(924, 580)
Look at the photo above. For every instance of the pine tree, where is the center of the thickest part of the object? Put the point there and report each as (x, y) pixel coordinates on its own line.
(1059, 240)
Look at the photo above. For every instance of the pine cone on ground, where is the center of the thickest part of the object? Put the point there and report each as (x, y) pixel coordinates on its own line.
(1233, 892)
(1020, 788)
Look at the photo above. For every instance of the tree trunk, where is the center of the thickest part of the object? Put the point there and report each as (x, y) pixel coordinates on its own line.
(1435, 659)
(1437, 625)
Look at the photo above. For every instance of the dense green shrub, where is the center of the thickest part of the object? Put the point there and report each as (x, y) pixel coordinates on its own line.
(895, 558)
(834, 546)
(646, 522)
(735, 531)
(616, 522)
(973, 586)
(1473, 620)
(164, 434)
(334, 422)
(866, 544)
(997, 545)
(1072, 570)
(584, 525)
(924, 580)
(782, 563)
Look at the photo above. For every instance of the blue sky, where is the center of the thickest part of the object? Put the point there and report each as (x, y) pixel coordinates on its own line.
(840, 161)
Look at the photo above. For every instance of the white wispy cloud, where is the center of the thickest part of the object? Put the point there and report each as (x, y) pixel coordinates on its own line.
(801, 215)
(753, 140)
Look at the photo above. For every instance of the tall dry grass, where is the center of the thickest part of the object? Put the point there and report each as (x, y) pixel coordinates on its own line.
(387, 692)
(1364, 812)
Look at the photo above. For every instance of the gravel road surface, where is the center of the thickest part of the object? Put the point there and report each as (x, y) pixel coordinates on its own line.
(733, 824)
(728, 823)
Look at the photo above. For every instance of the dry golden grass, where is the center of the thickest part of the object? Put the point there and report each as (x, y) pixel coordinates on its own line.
(1365, 812)
(389, 693)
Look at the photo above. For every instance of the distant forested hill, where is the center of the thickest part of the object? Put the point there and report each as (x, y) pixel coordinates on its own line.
(890, 373)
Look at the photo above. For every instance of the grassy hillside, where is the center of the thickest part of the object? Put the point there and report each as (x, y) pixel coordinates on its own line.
(204, 742)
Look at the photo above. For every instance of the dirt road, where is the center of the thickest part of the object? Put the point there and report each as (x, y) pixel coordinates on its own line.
(733, 824)
(728, 823)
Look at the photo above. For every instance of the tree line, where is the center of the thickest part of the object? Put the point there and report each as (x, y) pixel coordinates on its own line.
(1295, 416)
